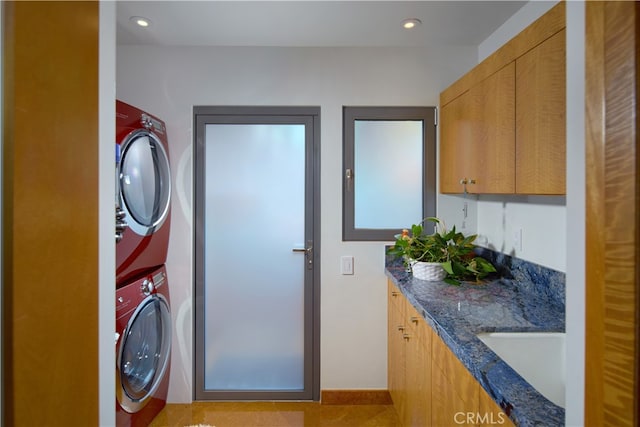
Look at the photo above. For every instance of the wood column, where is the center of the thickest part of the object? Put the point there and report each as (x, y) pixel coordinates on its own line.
(50, 213)
(612, 216)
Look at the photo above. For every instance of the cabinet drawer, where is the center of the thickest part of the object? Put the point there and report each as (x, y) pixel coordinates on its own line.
(394, 296)
(417, 326)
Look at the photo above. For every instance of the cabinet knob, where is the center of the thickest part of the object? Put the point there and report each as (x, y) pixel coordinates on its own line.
(401, 328)
(415, 319)
(406, 337)
(394, 293)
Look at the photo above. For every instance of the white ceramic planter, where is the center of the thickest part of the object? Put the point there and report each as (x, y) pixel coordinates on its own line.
(431, 271)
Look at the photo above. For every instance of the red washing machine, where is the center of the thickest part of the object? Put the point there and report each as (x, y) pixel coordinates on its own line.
(143, 186)
(143, 348)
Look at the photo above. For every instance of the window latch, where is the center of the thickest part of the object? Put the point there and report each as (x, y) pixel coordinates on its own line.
(348, 174)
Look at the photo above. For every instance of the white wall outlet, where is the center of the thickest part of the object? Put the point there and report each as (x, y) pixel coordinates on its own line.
(346, 264)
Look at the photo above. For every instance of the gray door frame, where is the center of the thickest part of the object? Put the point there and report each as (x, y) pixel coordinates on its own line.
(310, 116)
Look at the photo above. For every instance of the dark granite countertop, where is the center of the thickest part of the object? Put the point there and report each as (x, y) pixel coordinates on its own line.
(458, 313)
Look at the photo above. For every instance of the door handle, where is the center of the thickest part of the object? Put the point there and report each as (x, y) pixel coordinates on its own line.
(308, 252)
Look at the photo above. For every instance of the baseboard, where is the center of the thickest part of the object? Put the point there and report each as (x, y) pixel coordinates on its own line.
(355, 397)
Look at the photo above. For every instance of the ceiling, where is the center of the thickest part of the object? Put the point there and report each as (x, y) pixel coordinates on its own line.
(311, 23)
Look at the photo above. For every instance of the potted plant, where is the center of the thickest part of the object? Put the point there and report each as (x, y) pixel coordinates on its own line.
(450, 251)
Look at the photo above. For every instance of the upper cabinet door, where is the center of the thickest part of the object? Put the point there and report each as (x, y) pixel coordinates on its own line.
(541, 118)
(456, 138)
(493, 154)
(477, 144)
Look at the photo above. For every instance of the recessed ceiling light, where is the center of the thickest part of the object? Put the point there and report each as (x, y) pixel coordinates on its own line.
(140, 21)
(411, 23)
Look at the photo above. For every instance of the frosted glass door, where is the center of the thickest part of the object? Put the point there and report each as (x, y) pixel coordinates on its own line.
(254, 294)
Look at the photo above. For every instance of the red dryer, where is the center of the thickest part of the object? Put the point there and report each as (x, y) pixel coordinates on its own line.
(143, 187)
(143, 348)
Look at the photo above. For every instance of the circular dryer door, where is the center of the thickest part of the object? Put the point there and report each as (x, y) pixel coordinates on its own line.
(144, 353)
(145, 181)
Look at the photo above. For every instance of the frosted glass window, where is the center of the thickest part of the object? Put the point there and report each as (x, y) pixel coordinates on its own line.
(254, 281)
(389, 178)
(387, 196)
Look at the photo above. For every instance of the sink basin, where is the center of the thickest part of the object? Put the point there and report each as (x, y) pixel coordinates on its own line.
(538, 357)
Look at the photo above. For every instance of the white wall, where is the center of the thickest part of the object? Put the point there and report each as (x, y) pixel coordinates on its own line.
(169, 81)
(576, 202)
(106, 182)
(519, 21)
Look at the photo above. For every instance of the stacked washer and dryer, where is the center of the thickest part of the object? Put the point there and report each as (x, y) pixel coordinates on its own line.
(143, 217)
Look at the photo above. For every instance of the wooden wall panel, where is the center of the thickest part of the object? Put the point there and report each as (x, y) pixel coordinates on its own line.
(613, 209)
(50, 213)
(594, 216)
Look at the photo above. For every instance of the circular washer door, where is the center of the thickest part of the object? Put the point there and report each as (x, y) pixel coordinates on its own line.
(144, 353)
(145, 181)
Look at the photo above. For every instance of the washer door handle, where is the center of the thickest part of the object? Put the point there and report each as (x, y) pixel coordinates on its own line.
(121, 224)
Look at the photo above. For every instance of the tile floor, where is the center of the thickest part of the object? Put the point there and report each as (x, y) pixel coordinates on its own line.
(275, 414)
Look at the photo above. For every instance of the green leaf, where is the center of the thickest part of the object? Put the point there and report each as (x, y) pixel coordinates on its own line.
(447, 267)
(452, 281)
(484, 265)
(459, 269)
(450, 234)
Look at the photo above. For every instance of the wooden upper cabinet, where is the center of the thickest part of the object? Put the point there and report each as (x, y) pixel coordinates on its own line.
(493, 148)
(541, 118)
(477, 137)
(455, 136)
(502, 125)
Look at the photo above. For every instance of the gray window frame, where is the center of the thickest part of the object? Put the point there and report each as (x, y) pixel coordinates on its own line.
(428, 115)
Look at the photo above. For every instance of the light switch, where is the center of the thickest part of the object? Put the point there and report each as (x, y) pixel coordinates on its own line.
(346, 264)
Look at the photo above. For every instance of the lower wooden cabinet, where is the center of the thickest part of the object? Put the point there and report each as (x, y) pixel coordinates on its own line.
(417, 410)
(396, 350)
(490, 414)
(429, 386)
